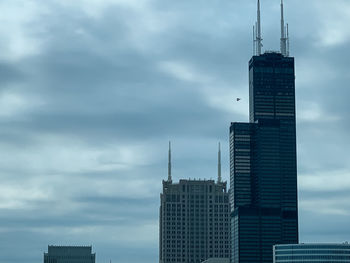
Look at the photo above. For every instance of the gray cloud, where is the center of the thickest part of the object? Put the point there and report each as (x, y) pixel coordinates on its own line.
(91, 91)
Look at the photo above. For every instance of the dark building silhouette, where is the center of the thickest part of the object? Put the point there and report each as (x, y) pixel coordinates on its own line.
(263, 165)
(69, 254)
(194, 220)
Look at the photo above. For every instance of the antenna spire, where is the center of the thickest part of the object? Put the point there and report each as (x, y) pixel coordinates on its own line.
(287, 40)
(257, 38)
(254, 48)
(284, 35)
(219, 164)
(169, 163)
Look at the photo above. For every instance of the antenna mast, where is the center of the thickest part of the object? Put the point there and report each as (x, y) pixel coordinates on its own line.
(258, 39)
(284, 35)
(287, 41)
(254, 41)
(169, 163)
(219, 165)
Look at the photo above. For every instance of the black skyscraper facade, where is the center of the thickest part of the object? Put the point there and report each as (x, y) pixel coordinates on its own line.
(263, 163)
(263, 194)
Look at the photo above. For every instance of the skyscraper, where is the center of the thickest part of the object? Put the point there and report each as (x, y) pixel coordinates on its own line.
(263, 169)
(194, 219)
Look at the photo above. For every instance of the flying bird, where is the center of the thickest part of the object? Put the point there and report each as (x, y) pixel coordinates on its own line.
(238, 99)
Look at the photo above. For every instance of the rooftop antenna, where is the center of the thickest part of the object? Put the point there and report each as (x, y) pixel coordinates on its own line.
(258, 39)
(254, 41)
(219, 164)
(284, 35)
(287, 41)
(169, 163)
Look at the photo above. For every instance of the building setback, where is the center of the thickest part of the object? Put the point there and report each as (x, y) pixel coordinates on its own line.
(69, 254)
(194, 220)
(263, 168)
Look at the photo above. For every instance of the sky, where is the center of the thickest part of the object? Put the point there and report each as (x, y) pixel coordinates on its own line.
(91, 91)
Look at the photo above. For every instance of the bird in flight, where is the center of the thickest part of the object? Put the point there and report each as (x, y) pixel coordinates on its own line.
(238, 99)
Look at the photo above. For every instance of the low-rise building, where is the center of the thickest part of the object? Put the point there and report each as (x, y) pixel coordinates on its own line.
(69, 254)
(315, 253)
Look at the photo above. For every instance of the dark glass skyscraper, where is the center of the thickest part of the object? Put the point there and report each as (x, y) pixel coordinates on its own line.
(263, 160)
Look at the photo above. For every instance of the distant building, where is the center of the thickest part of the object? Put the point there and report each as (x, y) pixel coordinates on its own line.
(69, 254)
(315, 253)
(194, 220)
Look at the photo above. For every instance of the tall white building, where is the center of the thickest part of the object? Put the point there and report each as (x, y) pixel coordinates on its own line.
(194, 220)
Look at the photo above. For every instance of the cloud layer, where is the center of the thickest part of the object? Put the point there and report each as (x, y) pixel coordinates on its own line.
(92, 90)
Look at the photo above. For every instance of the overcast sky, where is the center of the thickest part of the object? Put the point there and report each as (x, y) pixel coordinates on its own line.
(91, 91)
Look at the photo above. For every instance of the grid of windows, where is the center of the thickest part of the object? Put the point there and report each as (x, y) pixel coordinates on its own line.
(263, 163)
(240, 149)
(194, 221)
(69, 254)
(316, 253)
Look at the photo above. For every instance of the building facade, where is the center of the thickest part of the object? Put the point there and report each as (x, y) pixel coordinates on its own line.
(315, 253)
(217, 260)
(263, 168)
(194, 221)
(69, 254)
